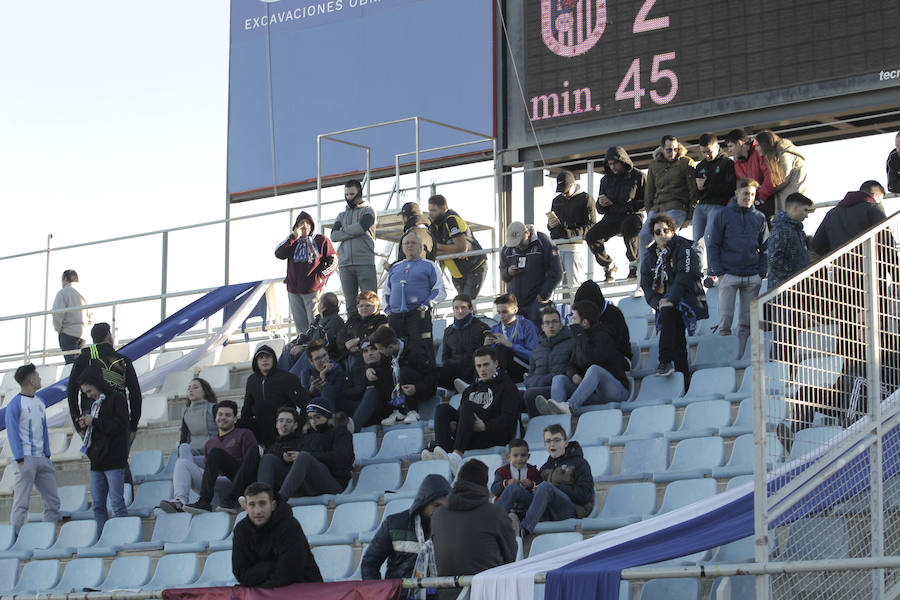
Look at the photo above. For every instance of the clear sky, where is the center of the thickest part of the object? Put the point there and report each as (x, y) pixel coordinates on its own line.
(113, 121)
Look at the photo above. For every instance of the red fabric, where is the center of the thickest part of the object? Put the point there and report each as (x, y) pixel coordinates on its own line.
(341, 590)
(755, 167)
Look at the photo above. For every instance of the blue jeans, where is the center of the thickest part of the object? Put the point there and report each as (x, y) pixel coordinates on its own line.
(515, 498)
(704, 216)
(646, 236)
(69, 342)
(108, 483)
(549, 503)
(597, 387)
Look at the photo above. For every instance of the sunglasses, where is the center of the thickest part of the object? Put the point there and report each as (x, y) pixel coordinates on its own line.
(661, 231)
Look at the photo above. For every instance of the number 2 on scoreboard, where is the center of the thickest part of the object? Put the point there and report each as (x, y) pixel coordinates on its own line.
(630, 87)
(642, 23)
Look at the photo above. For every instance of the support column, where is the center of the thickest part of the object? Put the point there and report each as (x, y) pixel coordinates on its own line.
(533, 179)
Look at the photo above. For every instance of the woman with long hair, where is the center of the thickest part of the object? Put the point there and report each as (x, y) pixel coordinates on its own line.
(787, 169)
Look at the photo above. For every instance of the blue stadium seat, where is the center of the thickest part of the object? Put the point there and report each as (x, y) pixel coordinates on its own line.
(775, 411)
(365, 444)
(804, 542)
(347, 522)
(646, 366)
(640, 459)
(597, 427)
(746, 389)
(534, 435)
(398, 444)
(715, 351)
(127, 572)
(702, 419)
(546, 542)
(624, 504)
(741, 550)
(638, 331)
(671, 589)
(167, 471)
(657, 390)
(117, 532)
(174, 570)
(812, 438)
(738, 481)
(493, 462)
(148, 496)
(392, 507)
(168, 527)
(225, 543)
(31, 537)
(216, 571)
(416, 474)
(72, 498)
(598, 459)
(9, 571)
(686, 491)
(203, 529)
(646, 422)
(79, 573)
(313, 519)
(335, 561)
(71, 535)
(7, 536)
(693, 458)
(741, 460)
(636, 306)
(565, 524)
(37, 577)
(708, 384)
(374, 480)
(145, 463)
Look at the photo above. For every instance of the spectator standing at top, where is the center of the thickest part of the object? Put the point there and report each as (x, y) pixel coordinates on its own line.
(354, 228)
(268, 388)
(715, 185)
(671, 186)
(549, 358)
(69, 324)
(452, 235)
(620, 201)
(857, 212)
(463, 337)
(29, 444)
(571, 215)
(670, 280)
(787, 170)
(749, 163)
(893, 167)
(530, 265)
(513, 338)
(415, 221)
(311, 261)
(737, 256)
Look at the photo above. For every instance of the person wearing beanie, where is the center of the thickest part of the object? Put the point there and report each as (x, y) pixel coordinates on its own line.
(354, 228)
(105, 429)
(268, 387)
(401, 537)
(311, 260)
(611, 317)
(415, 221)
(470, 533)
(29, 444)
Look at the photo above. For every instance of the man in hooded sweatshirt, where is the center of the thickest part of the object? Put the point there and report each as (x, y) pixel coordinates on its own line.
(268, 388)
(571, 214)
(270, 548)
(611, 317)
(311, 261)
(470, 533)
(354, 228)
(671, 186)
(620, 201)
(531, 268)
(401, 536)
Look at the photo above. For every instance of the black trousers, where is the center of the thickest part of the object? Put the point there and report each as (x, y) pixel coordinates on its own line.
(415, 326)
(506, 358)
(241, 474)
(447, 373)
(672, 341)
(465, 437)
(470, 284)
(627, 225)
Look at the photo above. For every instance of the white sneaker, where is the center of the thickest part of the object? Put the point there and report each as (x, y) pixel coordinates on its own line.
(439, 453)
(427, 454)
(460, 385)
(392, 419)
(411, 417)
(559, 408)
(542, 405)
(455, 462)
(350, 426)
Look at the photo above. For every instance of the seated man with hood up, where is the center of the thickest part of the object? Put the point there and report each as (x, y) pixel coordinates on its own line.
(611, 317)
(270, 548)
(268, 387)
(402, 536)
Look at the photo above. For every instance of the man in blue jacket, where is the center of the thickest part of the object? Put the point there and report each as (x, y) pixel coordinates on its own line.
(737, 256)
(529, 264)
(513, 338)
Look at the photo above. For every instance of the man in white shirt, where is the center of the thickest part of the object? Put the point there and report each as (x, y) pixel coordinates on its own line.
(69, 324)
(26, 430)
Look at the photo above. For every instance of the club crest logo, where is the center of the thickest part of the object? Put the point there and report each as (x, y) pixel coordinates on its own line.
(572, 27)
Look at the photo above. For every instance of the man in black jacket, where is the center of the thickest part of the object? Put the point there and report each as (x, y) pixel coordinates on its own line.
(270, 548)
(463, 337)
(406, 395)
(268, 388)
(487, 415)
(571, 215)
(620, 201)
(611, 317)
(893, 167)
(596, 372)
(716, 183)
(530, 265)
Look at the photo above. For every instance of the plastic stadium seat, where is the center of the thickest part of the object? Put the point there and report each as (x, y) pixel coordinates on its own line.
(276, 344)
(708, 384)
(168, 527)
(31, 537)
(671, 589)
(534, 435)
(216, 571)
(79, 573)
(219, 377)
(657, 390)
(313, 519)
(493, 462)
(71, 535)
(175, 384)
(225, 544)
(598, 459)
(347, 522)
(746, 389)
(72, 498)
(145, 463)
(203, 529)
(741, 460)
(117, 532)
(127, 572)
(335, 561)
(174, 570)
(552, 541)
(597, 427)
(166, 357)
(647, 365)
(416, 474)
(702, 419)
(624, 504)
(693, 458)
(398, 444)
(365, 444)
(374, 481)
(715, 351)
(741, 550)
(392, 507)
(686, 491)
(638, 331)
(154, 409)
(7, 536)
(37, 577)
(646, 422)
(812, 438)
(9, 570)
(148, 496)
(234, 352)
(636, 306)
(168, 470)
(640, 459)
(49, 374)
(740, 587)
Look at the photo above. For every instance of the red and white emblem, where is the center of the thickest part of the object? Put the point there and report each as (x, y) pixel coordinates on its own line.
(572, 27)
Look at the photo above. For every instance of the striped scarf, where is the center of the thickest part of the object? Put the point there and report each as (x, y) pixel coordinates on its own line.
(95, 412)
(305, 250)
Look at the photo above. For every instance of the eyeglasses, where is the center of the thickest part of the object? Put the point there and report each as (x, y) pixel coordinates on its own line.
(551, 441)
(661, 231)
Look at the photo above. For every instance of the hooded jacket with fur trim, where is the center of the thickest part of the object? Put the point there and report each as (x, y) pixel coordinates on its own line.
(670, 183)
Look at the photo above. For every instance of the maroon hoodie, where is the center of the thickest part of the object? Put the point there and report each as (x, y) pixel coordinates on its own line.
(305, 276)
